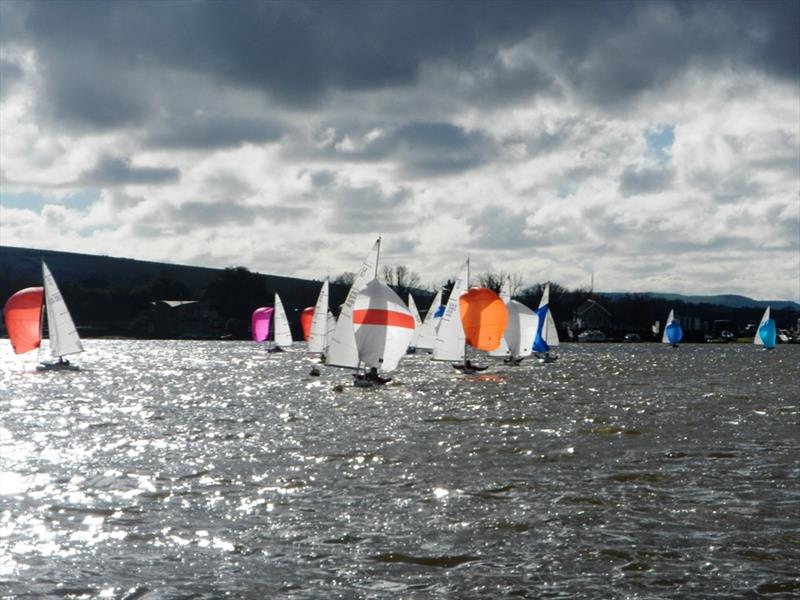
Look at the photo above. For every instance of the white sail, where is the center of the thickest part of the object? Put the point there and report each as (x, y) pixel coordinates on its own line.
(342, 350)
(64, 338)
(283, 334)
(505, 295)
(546, 335)
(412, 306)
(383, 326)
(670, 319)
(318, 335)
(426, 334)
(520, 330)
(449, 344)
(549, 331)
(757, 339)
(331, 328)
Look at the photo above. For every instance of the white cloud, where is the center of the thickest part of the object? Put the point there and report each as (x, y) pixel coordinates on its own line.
(525, 147)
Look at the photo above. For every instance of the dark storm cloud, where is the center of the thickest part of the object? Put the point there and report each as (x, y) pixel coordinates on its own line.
(419, 149)
(10, 75)
(105, 62)
(212, 132)
(111, 171)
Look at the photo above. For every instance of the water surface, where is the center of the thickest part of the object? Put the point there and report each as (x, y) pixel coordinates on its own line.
(178, 469)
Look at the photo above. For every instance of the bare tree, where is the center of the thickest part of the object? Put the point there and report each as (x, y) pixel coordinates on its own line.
(495, 281)
(345, 278)
(401, 277)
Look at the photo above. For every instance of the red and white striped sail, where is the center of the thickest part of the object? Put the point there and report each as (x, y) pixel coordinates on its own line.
(383, 326)
(342, 350)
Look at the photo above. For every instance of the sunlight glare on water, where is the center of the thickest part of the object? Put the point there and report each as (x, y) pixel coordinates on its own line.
(179, 468)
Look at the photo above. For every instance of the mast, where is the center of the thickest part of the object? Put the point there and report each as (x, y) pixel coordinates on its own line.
(42, 312)
(459, 314)
(378, 257)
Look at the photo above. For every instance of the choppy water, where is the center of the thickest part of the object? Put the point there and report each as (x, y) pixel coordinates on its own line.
(210, 469)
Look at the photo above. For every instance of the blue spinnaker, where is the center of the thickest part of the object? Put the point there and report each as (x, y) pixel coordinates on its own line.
(539, 345)
(768, 334)
(674, 332)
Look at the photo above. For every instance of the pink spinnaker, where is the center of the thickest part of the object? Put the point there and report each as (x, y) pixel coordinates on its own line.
(260, 323)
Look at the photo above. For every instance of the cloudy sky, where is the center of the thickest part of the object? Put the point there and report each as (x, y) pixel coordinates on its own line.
(654, 144)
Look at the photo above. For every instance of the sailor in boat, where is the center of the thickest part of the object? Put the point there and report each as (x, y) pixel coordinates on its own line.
(372, 375)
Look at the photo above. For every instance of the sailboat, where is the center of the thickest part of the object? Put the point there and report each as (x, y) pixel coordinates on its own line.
(412, 306)
(503, 350)
(673, 332)
(426, 333)
(521, 329)
(475, 317)
(259, 323)
(766, 334)
(306, 316)
(450, 343)
(383, 328)
(318, 328)
(373, 329)
(546, 336)
(281, 332)
(24, 323)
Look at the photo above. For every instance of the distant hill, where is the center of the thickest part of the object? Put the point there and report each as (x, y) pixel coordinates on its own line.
(730, 300)
(24, 264)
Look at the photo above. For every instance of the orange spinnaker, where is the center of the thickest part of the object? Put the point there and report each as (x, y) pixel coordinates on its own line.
(484, 317)
(23, 314)
(305, 321)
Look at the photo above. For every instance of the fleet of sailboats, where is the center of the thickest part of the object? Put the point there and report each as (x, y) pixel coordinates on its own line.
(374, 330)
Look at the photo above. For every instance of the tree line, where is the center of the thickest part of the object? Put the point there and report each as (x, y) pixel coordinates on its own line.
(232, 295)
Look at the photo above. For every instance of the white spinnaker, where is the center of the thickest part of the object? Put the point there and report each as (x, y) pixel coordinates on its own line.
(426, 334)
(757, 339)
(318, 336)
(283, 334)
(521, 329)
(64, 338)
(505, 295)
(342, 350)
(449, 344)
(382, 341)
(412, 306)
